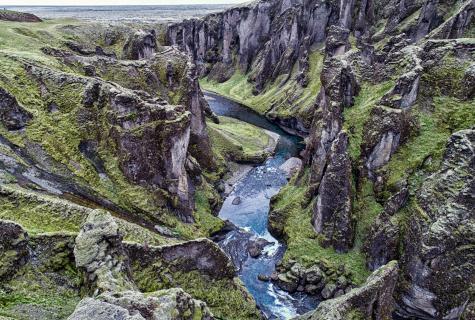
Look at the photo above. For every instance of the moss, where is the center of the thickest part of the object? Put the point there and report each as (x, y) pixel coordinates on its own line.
(286, 99)
(302, 241)
(357, 116)
(40, 293)
(365, 211)
(425, 150)
(226, 298)
(236, 140)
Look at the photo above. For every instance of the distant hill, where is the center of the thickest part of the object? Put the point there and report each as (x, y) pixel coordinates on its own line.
(8, 15)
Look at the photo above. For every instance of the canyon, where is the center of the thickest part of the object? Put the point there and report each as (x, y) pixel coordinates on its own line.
(281, 159)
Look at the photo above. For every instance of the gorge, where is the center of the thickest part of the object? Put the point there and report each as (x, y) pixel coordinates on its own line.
(282, 159)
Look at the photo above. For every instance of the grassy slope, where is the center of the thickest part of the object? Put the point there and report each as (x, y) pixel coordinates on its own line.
(238, 141)
(288, 99)
(38, 213)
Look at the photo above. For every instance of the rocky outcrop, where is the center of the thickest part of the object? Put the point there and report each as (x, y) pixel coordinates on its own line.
(383, 242)
(318, 280)
(326, 150)
(174, 304)
(140, 45)
(269, 36)
(458, 24)
(8, 15)
(12, 115)
(201, 255)
(14, 251)
(100, 255)
(332, 210)
(386, 130)
(437, 265)
(291, 167)
(373, 300)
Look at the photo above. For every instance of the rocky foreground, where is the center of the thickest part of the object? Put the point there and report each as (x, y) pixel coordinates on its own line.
(111, 174)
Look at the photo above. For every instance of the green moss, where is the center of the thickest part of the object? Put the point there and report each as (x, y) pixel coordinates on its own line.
(302, 241)
(425, 150)
(39, 293)
(357, 116)
(365, 211)
(226, 298)
(236, 140)
(286, 99)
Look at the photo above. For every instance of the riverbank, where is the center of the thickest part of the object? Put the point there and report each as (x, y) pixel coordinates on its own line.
(247, 204)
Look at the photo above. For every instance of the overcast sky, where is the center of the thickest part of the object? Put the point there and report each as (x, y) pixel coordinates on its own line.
(108, 2)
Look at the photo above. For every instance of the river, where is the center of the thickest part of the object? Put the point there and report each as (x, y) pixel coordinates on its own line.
(255, 190)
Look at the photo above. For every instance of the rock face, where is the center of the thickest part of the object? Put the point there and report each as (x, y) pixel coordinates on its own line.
(13, 248)
(269, 36)
(382, 244)
(373, 300)
(100, 255)
(12, 115)
(332, 214)
(141, 45)
(326, 152)
(167, 304)
(437, 264)
(291, 167)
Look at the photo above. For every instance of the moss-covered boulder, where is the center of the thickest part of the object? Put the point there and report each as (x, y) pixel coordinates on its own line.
(373, 300)
(173, 304)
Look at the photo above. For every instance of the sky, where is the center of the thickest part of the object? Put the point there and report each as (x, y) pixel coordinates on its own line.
(108, 2)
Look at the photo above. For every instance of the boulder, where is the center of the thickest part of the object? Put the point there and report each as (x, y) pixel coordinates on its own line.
(12, 115)
(373, 300)
(172, 304)
(14, 251)
(291, 166)
(100, 256)
(256, 246)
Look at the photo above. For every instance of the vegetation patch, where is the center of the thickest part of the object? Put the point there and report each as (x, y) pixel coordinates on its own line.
(236, 140)
(303, 243)
(285, 98)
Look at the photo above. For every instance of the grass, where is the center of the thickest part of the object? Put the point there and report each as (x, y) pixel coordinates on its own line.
(303, 243)
(226, 298)
(286, 99)
(358, 115)
(236, 140)
(426, 149)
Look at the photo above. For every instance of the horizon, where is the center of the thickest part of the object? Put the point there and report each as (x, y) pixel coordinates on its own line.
(91, 3)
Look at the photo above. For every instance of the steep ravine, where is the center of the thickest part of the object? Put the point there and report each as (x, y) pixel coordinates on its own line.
(247, 207)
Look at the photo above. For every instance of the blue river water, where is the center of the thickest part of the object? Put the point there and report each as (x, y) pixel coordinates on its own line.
(255, 190)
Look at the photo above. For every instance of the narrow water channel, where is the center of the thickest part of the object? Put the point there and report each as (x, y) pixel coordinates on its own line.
(255, 190)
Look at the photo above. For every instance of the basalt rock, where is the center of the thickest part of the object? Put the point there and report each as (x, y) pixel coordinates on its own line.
(437, 265)
(100, 255)
(267, 36)
(14, 251)
(173, 304)
(140, 45)
(458, 24)
(386, 130)
(383, 241)
(12, 115)
(373, 300)
(332, 210)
